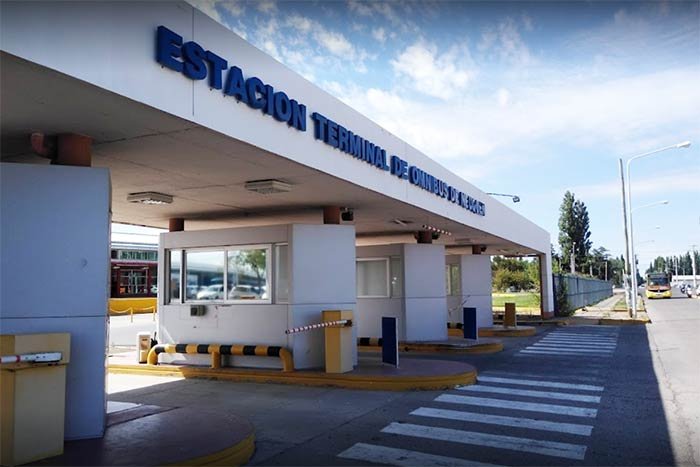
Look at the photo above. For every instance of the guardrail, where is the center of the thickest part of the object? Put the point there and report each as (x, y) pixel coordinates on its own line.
(218, 350)
(130, 310)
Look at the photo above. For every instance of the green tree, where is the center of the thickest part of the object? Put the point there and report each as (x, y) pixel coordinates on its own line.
(574, 229)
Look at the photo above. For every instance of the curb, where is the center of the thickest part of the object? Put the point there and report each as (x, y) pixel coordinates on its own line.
(417, 347)
(305, 378)
(238, 454)
(519, 331)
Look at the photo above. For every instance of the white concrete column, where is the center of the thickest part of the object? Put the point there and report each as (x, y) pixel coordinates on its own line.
(424, 286)
(546, 289)
(476, 288)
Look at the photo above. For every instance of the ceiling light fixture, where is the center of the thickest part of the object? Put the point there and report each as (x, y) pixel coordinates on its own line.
(267, 187)
(401, 222)
(435, 229)
(149, 197)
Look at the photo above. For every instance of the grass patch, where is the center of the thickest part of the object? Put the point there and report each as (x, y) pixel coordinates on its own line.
(522, 300)
(621, 305)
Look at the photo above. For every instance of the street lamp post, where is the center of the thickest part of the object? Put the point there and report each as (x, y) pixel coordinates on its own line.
(631, 257)
(515, 198)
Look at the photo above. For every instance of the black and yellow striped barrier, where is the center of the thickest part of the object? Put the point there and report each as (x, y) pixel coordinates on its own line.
(369, 341)
(217, 350)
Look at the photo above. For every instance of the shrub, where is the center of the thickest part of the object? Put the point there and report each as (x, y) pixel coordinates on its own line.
(562, 302)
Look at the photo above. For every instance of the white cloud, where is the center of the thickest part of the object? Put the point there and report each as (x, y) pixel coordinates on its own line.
(503, 97)
(208, 7)
(430, 73)
(266, 6)
(686, 180)
(234, 7)
(300, 23)
(335, 43)
(379, 34)
(504, 42)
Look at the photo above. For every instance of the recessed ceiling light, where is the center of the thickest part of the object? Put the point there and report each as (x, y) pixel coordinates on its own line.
(266, 187)
(149, 197)
(401, 222)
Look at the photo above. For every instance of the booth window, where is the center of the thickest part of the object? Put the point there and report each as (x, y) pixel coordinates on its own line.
(452, 279)
(373, 278)
(205, 275)
(175, 267)
(281, 273)
(247, 276)
(396, 277)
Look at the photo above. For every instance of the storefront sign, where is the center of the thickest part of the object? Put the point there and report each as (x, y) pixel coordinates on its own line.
(193, 61)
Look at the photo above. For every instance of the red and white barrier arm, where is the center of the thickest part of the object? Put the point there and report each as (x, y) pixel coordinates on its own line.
(339, 323)
(43, 357)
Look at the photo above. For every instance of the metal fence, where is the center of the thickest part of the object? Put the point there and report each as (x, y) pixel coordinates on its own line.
(581, 291)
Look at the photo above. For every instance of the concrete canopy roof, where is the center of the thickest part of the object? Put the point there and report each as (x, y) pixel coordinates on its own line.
(205, 171)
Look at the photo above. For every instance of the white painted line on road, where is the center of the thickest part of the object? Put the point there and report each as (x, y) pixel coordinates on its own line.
(403, 457)
(530, 393)
(575, 346)
(547, 448)
(578, 341)
(580, 338)
(563, 353)
(546, 384)
(572, 349)
(517, 422)
(575, 377)
(583, 344)
(517, 405)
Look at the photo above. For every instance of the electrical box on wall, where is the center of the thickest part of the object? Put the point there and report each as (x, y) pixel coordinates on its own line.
(198, 310)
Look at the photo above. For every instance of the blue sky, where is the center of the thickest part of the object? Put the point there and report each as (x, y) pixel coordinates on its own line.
(530, 98)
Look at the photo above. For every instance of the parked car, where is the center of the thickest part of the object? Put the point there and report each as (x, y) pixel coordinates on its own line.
(211, 292)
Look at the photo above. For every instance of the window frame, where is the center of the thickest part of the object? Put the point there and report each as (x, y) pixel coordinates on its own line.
(224, 250)
(268, 274)
(448, 277)
(387, 262)
(275, 272)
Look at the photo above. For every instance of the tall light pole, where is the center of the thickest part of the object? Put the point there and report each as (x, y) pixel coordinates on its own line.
(632, 259)
(515, 198)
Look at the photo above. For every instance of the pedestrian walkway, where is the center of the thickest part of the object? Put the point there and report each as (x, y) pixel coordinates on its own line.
(575, 342)
(543, 420)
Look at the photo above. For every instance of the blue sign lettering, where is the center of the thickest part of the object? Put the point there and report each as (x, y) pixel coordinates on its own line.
(193, 61)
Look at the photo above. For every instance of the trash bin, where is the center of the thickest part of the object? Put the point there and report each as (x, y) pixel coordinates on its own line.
(33, 396)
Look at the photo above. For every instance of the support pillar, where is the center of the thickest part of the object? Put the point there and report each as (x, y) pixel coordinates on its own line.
(546, 290)
(475, 277)
(73, 149)
(331, 215)
(176, 224)
(425, 236)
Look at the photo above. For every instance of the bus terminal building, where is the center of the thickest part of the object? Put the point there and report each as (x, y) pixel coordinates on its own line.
(280, 200)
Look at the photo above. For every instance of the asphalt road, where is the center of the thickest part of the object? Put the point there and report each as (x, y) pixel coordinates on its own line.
(584, 395)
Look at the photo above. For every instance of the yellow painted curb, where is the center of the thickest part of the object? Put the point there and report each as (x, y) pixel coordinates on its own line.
(622, 322)
(238, 454)
(305, 378)
(520, 331)
(485, 347)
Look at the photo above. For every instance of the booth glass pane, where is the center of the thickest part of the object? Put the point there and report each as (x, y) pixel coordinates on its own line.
(205, 275)
(396, 277)
(372, 278)
(175, 262)
(452, 280)
(247, 274)
(282, 274)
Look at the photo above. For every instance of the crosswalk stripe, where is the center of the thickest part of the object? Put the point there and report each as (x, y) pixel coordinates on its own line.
(547, 384)
(582, 339)
(562, 347)
(571, 339)
(578, 341)
(547, 448)
(530, 393)
(565, 352)
(581, 346)
(517, 405)
(582, 334)
(403, 457)
(517, 422)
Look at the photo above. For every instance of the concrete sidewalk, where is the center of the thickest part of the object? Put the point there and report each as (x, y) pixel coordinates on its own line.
(605, 313)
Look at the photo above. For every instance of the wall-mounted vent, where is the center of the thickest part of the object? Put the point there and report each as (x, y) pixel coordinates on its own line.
(267, 187)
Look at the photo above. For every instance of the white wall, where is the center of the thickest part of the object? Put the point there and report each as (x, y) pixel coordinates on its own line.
(424, 290)
(77, 30)
(54, 258)
(371, 310)
(477, 288)
(322, 278)
(321, 275)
